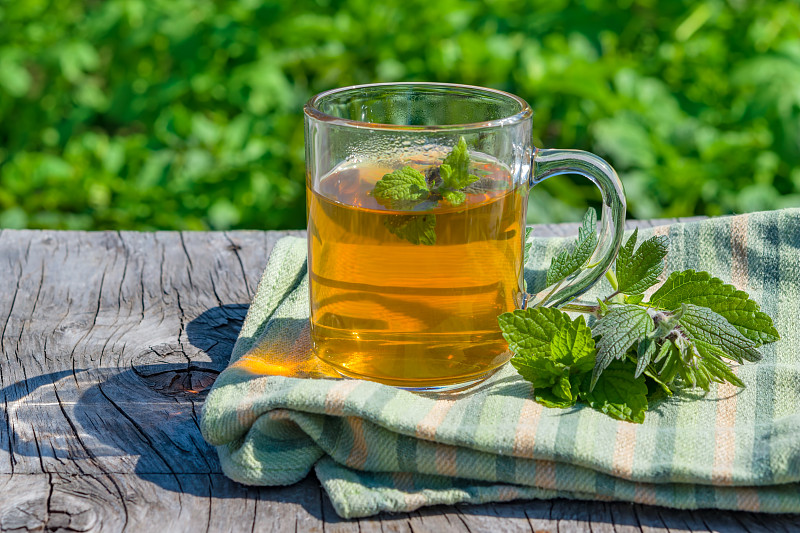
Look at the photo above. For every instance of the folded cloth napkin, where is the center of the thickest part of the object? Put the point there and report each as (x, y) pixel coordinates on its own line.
(276, 412)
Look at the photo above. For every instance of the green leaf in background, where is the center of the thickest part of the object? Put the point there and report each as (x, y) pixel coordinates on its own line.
(701, 289)
(638, 270)
(706, 116)
(567, 262)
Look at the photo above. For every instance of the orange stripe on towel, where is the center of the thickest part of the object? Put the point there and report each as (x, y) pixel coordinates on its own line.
(525, 436)
(427, 427)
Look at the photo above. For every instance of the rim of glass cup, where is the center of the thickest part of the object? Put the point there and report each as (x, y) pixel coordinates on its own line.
(311, 108)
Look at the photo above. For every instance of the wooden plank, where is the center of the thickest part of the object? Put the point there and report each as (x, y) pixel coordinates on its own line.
(498, 518)
(109, 341)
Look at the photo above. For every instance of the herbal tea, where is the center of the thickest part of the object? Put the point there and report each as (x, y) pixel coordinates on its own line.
(410, 296)
(417, 195)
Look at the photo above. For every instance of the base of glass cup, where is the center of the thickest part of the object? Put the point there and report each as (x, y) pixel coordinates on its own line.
(469, 381)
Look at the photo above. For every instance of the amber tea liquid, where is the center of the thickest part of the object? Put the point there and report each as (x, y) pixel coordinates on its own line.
(413, 315)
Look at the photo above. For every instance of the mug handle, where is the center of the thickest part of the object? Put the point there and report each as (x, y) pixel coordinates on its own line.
(549, 163)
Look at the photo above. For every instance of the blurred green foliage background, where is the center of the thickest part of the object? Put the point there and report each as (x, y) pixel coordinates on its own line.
(187, 114)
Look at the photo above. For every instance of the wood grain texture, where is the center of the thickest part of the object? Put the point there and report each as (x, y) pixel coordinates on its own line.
(109, 342)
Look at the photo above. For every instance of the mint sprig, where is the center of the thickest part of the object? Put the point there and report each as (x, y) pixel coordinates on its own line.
(455, 168)
(637, 349)
(408, 188)
(553, 352)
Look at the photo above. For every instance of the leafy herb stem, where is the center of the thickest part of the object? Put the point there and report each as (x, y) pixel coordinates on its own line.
(636, 350)
(581, 308)
(407, 188)
(608, 298)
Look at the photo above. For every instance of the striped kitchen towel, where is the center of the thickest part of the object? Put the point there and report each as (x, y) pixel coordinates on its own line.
(275, 413)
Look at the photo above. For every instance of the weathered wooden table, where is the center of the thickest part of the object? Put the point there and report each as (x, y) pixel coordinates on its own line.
(109, 341)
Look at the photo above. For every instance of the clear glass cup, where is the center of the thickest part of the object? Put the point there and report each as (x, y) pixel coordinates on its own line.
(406, 291)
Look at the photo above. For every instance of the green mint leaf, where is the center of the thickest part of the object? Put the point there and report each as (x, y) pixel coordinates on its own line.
(705, 327)
(528, 245)
(672, 362)
(700, 288)
(529, 331)
(645, 352)
(603, 307)
(656, 387)
(484, 185)
(542, 372)
(573, 346)
(621, 328)
(401, 187)
(617, 392)
(454, 198)
(454, 170)
(569, 261)
(663, 351)
(416, 229)
(548, 398)
(639, 270)
(715, 366)
(555, 351)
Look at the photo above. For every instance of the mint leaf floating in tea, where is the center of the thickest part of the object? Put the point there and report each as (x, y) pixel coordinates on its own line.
(401, 188)
(416, 229)
(455, 175)
(405, 189)
(454, 198)
(409, 189)
(455, 167)
(641, 350)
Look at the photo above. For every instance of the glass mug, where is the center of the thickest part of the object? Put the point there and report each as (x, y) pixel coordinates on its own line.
(408, 293)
